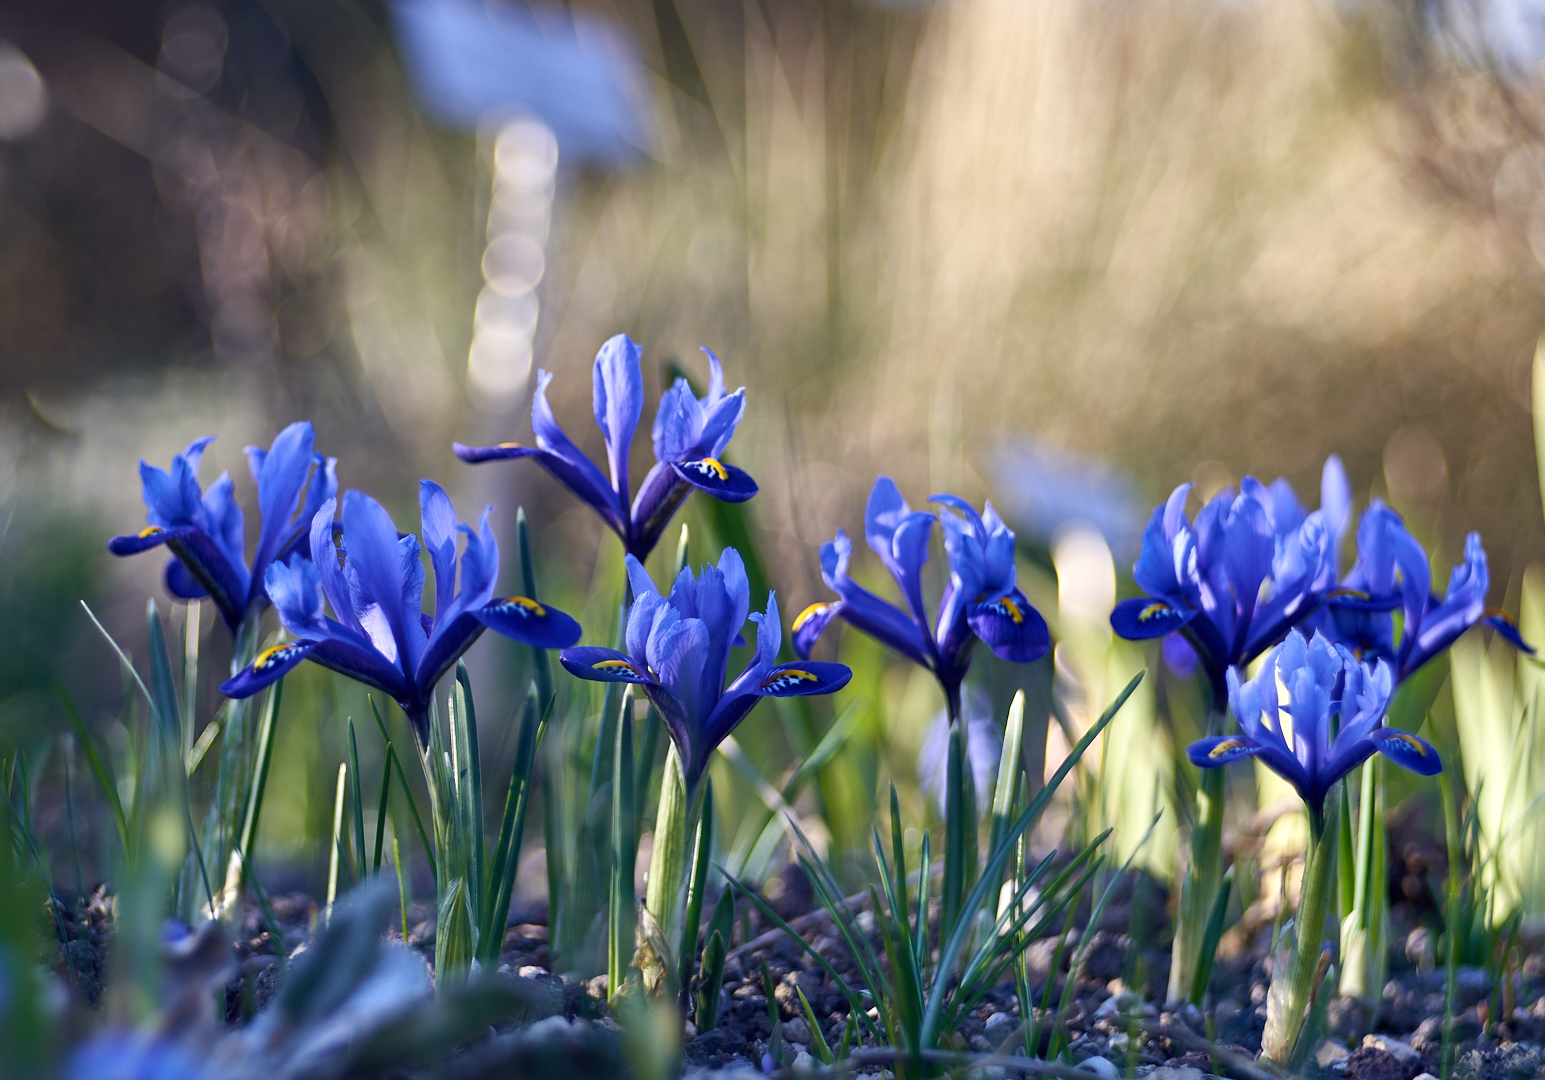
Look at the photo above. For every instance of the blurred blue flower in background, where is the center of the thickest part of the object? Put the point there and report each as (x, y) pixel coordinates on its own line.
(378, 633)
(1041, 490)
(984, 745)
(678, 650)
(205, 531)
(690, 436)
(133, 1056)
(471, 62)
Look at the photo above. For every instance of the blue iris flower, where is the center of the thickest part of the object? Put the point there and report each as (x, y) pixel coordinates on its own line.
(378, 633)
(1392, 573)
(678, 650)
(981, 601)
(1295, 738)
(1249, 569)
(690, 434)
(205, 531)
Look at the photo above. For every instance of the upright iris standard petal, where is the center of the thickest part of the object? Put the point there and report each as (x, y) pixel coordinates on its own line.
(689, 435)
(678, 650)
(980, 603)
(1393, 572)
(1333, 719)
(378, 633)
(205, 531)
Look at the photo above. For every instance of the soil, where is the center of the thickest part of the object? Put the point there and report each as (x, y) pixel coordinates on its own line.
(1115, 1019)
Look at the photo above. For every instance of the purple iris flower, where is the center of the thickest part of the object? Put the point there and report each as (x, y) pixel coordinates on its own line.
(981, 601)
(678, 650)
(378, 633)
(690, 434)
(1295, 738)
(1249, 569)
(205, 531)
(1392, 571)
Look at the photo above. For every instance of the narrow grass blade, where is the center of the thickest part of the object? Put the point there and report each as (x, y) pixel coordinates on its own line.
(469, 783)
(167, 712)
(402, 886)
(512, 829)
(621, 926)
(1007, 788)
(1210, 939)
(856, 1004)
(381, 807)
(407, 794)
(359, 803)
(710, 986)
(823, 1052)
(267, 724)
(332, 862)
(956, 939)
(697, 884)
(190, 648)
(99, 768)
(544, 671)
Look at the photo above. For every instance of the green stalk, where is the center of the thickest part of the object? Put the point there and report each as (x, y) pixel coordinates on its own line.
(955, 825)
(359, 804)
(674, 825)
(703, 848)
(1292, 989)
(1203, 877)
(544, 671)
(332, 862)
(1451, 918)
(621, 929)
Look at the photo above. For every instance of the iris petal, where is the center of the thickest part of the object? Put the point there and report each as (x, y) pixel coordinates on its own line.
(598, 664)
(1219, 750)
(724, 482)
(1141, 618)
(1408, 750)
(1011, 628)
(526, 620)
(269, 666)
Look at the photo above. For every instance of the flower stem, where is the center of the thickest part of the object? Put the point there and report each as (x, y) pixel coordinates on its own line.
(1203, 877)
(1292, 987)
(675, 824)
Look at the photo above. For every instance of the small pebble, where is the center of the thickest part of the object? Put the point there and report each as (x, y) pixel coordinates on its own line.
(1426, 1076)
(1330, 1050)
(795, 1030)
(803, 1062)
(1102, 1068)
(998, 1027)
(1165, 1072)
(1118, 1044)
(1403, 1052)
(531, 971)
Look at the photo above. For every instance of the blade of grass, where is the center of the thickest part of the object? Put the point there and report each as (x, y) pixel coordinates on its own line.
(99, 768)
(407, 792)
(956, 939)
(381, 806)
(359, 802)
(696, 886)
(512, 829)
(332, 862)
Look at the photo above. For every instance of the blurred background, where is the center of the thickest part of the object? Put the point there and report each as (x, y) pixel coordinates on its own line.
(1060, 255)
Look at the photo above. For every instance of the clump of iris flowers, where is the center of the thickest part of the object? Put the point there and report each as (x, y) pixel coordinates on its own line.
(205, 531)
(678, 651)
(690, 436)
(377, 633)
(1233, 583)
(981, 602)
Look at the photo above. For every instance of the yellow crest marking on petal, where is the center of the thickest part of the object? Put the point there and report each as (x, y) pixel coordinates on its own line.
(708, 466)
(791, 677)
(1153, 611)
(1007, 607)
(614, 665)
(1227, 746)
(1414, 744)
(274, 654)
(508, 446)
(809, 613)
(1500, 613)
(522, 605)
(150, 530)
